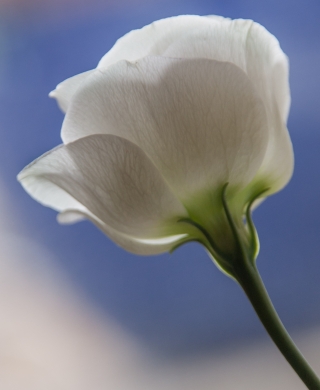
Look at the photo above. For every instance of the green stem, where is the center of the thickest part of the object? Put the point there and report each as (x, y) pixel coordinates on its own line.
(248, 277)
(242, 267)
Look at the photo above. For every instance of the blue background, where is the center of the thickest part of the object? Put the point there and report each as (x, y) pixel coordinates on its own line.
(175, 304)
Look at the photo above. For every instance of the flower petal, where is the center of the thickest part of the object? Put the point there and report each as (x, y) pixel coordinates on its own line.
(129, 243)
(200, 121)
(278, 163)
(112, 179)
(242, 42)
(268, 67)
(65, 90)
(257, 52)
(154, 39)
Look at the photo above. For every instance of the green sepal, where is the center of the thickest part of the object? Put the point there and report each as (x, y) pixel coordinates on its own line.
(254, 239)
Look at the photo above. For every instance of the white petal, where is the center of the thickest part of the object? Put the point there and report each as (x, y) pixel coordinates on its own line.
(154, 39)
(48, 193)
(113, 179)
(242, 42)
(245, 44)
(65, 90)
(129, 243)
(200, 121)
(268, 67)
(277, 166)
(223, 40)
(70, 216)
(278, 163)
(257, 52)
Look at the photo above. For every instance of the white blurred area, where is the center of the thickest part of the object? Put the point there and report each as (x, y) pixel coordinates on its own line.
(51, 338)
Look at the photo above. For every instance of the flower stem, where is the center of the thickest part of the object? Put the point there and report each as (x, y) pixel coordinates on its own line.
(248, 277)
(240, 264)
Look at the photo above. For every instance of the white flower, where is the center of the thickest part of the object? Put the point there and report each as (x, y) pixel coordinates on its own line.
(172, 113)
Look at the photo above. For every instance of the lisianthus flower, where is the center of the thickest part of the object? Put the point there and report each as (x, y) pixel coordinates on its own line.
(176, 136)
(172, 113)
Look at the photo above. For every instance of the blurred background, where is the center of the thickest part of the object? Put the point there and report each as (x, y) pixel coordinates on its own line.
(77, 312)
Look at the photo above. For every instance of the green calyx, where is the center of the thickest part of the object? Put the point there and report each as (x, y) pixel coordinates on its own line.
(243, 242)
